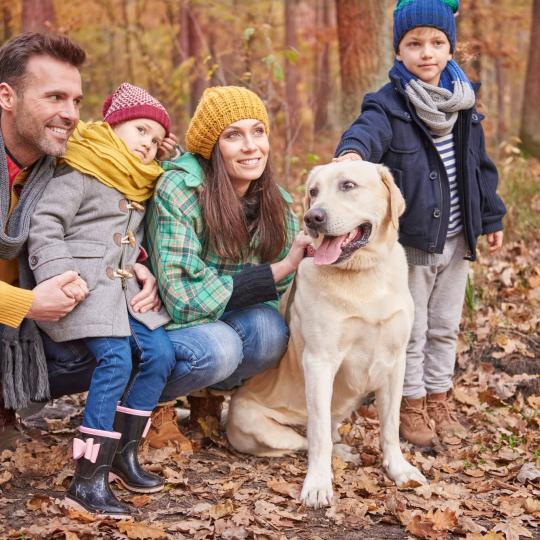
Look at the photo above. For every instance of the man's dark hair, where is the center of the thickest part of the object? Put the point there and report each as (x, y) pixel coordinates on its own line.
(15, 53)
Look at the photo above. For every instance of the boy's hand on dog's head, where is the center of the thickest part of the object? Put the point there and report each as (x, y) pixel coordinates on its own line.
(353, 156)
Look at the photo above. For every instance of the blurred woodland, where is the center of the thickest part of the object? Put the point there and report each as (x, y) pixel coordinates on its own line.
(311, 60)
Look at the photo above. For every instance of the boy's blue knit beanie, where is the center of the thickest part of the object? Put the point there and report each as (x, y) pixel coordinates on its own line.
(439, 14)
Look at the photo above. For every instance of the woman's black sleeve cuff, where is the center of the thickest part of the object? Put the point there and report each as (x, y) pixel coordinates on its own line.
(251, 286)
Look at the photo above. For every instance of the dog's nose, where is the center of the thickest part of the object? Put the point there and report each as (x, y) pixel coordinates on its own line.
(315, 218)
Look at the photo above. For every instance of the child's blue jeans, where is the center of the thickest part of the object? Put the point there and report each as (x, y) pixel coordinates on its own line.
(156, 359)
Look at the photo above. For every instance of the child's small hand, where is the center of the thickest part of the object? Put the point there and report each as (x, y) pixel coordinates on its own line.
(167, 148)
(495, 241)
(353, 156)
(78, 290)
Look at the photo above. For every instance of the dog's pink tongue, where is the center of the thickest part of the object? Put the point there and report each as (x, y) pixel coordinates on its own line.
(329, 251)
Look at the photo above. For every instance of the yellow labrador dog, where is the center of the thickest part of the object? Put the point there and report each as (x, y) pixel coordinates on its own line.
(350, 320)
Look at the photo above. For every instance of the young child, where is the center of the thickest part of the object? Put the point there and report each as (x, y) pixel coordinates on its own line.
(90, 219)
(424, 127)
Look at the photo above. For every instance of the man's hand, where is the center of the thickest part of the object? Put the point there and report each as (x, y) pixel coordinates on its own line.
(50, 303)
(147, 299)
(353, 156)
(167, 148)
(77, 289)
(495, 241)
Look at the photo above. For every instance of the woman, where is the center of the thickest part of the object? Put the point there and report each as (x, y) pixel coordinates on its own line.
(224, 245)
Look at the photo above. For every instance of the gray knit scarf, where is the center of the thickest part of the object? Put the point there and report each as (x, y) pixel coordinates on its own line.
(437, 106)
(23, 367)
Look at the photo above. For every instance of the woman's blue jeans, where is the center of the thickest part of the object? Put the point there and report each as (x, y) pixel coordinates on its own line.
(223, 354)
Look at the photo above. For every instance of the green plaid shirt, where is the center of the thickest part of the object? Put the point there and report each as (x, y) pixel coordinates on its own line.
(194, 286)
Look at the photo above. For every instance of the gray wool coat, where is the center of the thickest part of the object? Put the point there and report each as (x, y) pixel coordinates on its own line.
(83, 225)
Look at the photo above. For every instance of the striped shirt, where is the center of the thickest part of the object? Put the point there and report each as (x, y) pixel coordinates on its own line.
(445, 147)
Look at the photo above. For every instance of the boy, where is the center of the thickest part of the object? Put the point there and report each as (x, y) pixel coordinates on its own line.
(90, 220)
(423, 126)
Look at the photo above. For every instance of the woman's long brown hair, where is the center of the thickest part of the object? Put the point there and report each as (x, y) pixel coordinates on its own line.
(227, 230)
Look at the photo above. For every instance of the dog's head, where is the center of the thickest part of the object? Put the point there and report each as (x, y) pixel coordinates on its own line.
(352, 211)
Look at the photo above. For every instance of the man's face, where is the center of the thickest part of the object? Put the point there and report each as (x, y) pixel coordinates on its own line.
(46, 108)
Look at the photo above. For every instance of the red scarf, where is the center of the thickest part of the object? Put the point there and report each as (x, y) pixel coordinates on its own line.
(13, 170)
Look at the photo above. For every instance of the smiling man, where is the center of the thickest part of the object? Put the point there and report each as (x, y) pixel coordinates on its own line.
(40, 95)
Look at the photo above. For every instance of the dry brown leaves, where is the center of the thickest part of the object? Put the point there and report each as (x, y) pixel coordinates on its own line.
(484, 487)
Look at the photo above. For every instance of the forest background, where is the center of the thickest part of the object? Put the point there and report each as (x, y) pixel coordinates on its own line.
(312, 61)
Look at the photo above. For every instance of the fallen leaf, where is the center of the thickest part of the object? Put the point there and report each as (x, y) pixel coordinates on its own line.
(513, 529)
(528, 472)
(423, 527)
(532, 506)
(140, 531)
(5, 477)
(285, 488)
(444, 520)
(138, 501)
(218, 511)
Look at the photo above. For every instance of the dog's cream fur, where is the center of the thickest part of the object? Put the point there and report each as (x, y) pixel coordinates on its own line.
(350, 322)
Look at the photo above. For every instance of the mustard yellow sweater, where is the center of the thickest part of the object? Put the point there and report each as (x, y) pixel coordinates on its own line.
(14, 301)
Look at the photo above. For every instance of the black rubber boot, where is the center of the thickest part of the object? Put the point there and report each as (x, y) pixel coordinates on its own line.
(125, 468)
(90, 489)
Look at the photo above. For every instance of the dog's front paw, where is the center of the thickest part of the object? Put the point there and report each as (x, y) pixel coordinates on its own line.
(405, 475)
(317, 490)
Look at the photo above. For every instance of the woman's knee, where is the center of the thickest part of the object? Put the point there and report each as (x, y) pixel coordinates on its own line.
(209, 352)
(264, 333)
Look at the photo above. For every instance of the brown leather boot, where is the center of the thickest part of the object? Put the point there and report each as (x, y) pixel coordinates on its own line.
(164, 429)
(205, 412)
(414, 425)
(440, 409)
(10, 429)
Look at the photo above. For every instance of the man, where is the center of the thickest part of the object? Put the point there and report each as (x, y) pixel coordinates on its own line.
(40, 97)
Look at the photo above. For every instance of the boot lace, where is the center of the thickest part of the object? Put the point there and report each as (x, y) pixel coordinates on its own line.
(442, 413)
(418, 416)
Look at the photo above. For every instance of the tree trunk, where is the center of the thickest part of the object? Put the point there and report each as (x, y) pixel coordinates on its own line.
(322, 67)
(191, 46)
(37, 16)
(530, 134)
(7, 18)
(361, 26)
(127, 41)
(291, 71)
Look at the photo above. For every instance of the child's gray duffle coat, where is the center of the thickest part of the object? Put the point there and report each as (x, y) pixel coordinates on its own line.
(83, 225)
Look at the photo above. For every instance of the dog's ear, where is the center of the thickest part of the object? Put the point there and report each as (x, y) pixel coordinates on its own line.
(397, 202)
(307, 199)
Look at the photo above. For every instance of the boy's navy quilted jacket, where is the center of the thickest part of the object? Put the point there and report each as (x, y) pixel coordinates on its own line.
(389, 131)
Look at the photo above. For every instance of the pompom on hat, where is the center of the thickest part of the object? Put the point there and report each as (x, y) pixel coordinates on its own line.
(130, 102)
(439, 14)
(219, 107)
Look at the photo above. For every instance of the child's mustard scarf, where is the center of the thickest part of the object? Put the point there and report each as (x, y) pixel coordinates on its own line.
(94, 149)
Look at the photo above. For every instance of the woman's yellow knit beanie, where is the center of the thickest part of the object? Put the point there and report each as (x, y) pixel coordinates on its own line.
(219, 107)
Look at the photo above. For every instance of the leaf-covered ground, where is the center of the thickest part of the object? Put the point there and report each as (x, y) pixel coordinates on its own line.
(485, 486)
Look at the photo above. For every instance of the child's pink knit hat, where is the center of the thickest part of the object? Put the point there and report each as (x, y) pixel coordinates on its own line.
(130, 102)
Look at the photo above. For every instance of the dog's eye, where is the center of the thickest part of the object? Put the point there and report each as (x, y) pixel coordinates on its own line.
(347, 185)
(313, 192)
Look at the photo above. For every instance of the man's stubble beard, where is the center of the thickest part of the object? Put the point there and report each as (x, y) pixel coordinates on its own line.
(33, 134)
